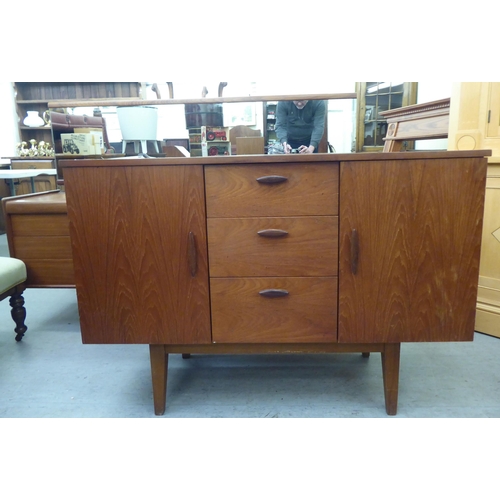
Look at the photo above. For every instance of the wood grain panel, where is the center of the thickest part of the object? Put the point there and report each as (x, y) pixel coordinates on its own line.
(310, 189)
(130, 237)
(273, 348)
(4, 192)
(419, 226)
(42, 247)
(48, 202)
(307, 314)
(50, 272)
(310, 247)
(40, 225)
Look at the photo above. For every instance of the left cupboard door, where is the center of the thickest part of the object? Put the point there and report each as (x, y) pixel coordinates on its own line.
(138, 238)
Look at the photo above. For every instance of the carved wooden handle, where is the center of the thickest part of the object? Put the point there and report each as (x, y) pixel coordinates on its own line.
(354, 251)
(272, 233)
(272, 179)
(192, 255)
(274, 292)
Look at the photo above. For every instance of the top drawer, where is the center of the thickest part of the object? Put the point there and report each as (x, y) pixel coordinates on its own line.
(241, 191)
(49, 202)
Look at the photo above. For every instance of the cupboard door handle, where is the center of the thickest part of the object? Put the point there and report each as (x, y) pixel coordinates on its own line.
(272, 179)
(274, 292)
(272, 233)
(192, 255)
(354, 251)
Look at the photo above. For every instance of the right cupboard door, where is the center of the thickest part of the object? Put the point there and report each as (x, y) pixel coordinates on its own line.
(410, 235)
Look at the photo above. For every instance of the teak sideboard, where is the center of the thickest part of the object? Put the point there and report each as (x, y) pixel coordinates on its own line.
(277, 254)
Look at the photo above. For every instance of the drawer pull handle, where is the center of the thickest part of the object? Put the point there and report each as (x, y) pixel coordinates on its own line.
(273, 292)
(354, 251)
(192, 255)
(272, 179)
(272, 233)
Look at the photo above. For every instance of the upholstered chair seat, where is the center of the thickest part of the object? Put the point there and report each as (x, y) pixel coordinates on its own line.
(13, 284)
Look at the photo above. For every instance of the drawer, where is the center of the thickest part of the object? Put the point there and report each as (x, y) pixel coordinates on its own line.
(43, 225)
(239, 190)
(304, 246)
(50, 273)
(42, 247)
(29, 163)
(242, 314)
(38, 204)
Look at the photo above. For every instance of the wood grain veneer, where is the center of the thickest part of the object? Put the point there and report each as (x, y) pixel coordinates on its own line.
(307, 314)
(309, 246)
(419, 225)
(38, 234)
(130, 234)
(309, 189)
(40, 224)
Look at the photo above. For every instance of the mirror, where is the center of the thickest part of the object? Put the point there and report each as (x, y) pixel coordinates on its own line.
(172, 120)
(254, 112)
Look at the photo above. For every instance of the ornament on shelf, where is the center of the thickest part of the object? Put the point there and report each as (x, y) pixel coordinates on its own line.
(33, 151)
(33, 119)
(21, 149)
(45, 149)
(41, 149)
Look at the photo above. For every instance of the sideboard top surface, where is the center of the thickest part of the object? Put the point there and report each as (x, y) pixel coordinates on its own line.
(263, 159)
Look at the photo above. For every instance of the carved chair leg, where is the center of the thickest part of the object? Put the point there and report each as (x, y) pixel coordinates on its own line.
(159, 371)
(18, 314)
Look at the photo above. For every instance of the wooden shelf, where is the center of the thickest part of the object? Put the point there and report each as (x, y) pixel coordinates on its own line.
(24, 127)
(35, 96)
(32, 101)
(75, 103)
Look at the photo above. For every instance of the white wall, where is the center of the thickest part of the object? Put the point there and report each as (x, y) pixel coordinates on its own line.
(9, 133)
(432, 91)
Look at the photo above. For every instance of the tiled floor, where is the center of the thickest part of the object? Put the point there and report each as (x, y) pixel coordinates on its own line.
(50, 373)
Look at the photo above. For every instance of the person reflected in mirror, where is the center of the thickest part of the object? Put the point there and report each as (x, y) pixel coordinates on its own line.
(300, 125)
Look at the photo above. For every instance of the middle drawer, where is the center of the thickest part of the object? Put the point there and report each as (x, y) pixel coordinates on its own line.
(273, 246)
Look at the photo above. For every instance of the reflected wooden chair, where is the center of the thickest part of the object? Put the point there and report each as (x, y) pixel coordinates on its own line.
(429, 120)
(12, 284)
(251, 140)
(175, 152)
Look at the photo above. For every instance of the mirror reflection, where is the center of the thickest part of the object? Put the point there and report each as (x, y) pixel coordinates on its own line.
(249, 125)
(176, 123)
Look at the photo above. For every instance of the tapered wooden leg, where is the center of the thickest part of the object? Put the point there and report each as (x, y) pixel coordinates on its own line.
(18, 314)
(159, 370)
(390, 373)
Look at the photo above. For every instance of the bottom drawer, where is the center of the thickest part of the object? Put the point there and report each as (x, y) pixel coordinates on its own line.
(50, 273)
(293, 309)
